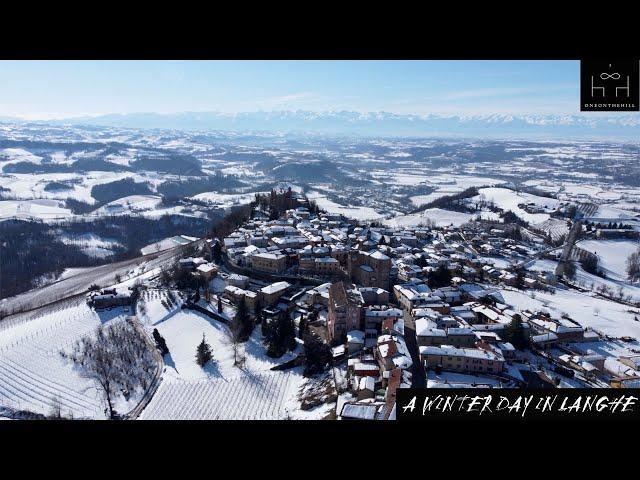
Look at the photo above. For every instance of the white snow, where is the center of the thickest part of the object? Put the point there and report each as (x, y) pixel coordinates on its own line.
(507, 199)
(612, 318)
(32, 371)
(359, 213)
(612, 254)
(27, 209)
(220, 390)
(438, 216)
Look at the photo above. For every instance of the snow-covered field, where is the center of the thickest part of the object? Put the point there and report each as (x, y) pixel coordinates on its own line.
(437, 216)
(27, 209)
(33, 374)
(166, 244)
(612, 254)
(507, 199)
(615, 287)
(92, 245)
(220, 390)
(555, 227)
(130, 204)
(251, 396)
(226, 200)
(360, 213)
(612, 318)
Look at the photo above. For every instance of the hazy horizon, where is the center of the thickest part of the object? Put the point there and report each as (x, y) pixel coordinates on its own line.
(45, 90)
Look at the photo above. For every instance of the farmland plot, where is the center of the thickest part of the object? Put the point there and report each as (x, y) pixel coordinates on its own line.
(261, 396)
(33, 374)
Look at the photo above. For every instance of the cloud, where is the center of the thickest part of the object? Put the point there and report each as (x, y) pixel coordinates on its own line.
(286, 100)
(506, 91)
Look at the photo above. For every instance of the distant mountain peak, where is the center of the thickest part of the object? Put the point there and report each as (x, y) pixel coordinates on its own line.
(381, 123)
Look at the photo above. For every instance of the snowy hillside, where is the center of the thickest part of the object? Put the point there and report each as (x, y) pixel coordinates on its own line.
(33, 374)
(220, 390)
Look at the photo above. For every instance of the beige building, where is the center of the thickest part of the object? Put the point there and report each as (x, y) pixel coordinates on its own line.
(327, 266)
(471, 360)
(236, 294)
(370, 269)
(269, 262)
(270, 294)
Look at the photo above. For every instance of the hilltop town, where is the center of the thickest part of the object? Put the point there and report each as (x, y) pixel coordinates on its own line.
(398, 307)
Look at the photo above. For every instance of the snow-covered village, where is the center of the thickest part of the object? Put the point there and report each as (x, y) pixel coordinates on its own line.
(285, 311)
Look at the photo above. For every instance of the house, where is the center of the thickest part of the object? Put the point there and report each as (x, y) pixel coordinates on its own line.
(207, 271)
(369, 268)
(374, 317)
(374, 295)
(365, 369)
(109, 298)
(270, 294)
(269, 262)
(359, 411)
(471, 360)
(412, 295)
(326, 266)
(237, 294)
(544, 340)
(366, 388)
(392, 352)
(629, 381)
(191, 263)
(427, 333)
(461, 337)
(237, 280)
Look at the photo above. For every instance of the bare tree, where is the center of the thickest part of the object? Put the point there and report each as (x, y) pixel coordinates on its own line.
(236, 330)
(633, 266)
(56, 409)
(117, 358)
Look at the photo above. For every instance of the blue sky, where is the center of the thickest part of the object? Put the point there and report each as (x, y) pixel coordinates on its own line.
(58, 89)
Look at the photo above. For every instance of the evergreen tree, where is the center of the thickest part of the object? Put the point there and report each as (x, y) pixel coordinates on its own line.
(245, 324)
(520, 278)
(219, 304)
(288, 332)
(317, 354)
(279, 335)
(302, 326)
(514, 333)
(203, 352)
(217, 251)
(258, 308)
(440, 277)
(161, 344)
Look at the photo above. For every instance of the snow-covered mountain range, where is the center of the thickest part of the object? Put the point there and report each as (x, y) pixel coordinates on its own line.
(624, 126)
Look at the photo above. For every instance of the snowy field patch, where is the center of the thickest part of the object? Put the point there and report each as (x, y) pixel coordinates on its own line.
(612, 254)
(437, 216)
(33, 374)
(220, 390)
(359, 213)
(30, 209)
